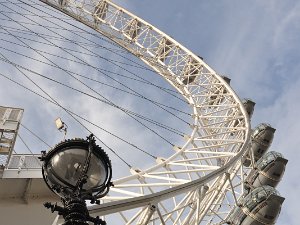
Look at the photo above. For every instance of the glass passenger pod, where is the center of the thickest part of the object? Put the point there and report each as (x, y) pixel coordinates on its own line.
(132, 29)
(62, 3)
(269, 171)
(100, 11)
(262, 206)
(218, 92)
(163, 49)
(190, 71)
(226, 79)
(262, 137)
(249, 106)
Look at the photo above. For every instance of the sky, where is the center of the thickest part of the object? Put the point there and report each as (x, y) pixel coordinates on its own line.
(255, 43)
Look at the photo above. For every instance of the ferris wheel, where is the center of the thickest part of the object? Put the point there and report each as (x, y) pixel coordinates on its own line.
(208, 178)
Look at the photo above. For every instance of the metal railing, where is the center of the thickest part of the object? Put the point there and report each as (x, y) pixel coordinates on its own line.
(24, 161)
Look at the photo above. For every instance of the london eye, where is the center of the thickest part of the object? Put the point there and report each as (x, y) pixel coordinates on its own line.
(220, 172)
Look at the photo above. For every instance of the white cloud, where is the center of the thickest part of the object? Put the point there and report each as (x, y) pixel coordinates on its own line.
(256, 44)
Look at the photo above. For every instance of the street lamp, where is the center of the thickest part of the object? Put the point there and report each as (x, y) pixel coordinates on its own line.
(77, 170)
(61, 126)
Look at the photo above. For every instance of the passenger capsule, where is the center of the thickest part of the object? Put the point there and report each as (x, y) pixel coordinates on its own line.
(269, 171)
(261, 207)
(218, 92)
(249, 106)
(191, 70)
(200, 57)
(226, 79)
(62, 3)
(262, 137)
(163, 49)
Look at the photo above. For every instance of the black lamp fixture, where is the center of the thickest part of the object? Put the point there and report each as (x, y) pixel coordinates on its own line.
(77, 170)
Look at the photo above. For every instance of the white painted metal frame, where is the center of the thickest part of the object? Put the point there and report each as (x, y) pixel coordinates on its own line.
(9, 126)
(200, 182)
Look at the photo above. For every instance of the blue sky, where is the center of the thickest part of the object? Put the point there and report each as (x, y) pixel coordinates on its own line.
(255, 43)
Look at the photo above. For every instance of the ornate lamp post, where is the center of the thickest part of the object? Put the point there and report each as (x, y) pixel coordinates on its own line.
(77, 170)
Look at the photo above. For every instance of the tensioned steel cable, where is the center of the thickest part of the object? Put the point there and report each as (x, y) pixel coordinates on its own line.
(48, 27)
(86, 31)
(35, 135)
(99, 37)
(68, 59)
(86, 63)
(35, 84)
(106, 102)
(173, 130)
(167, 90)
(21, 31)
(144, 151)
(15, 3)
(34, 15)
(114, 135)
(105, 70)
(15, 30)
(68, 110)
(156, 133)
(49, 36)
(27, 147)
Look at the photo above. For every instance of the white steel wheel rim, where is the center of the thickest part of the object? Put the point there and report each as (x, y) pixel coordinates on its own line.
(219, 137)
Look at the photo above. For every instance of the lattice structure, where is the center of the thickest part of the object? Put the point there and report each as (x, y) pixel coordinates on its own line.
(201, 181)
